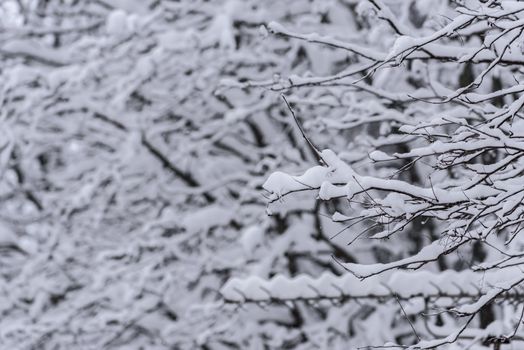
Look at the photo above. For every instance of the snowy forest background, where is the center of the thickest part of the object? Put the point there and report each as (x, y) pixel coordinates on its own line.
(243, 174)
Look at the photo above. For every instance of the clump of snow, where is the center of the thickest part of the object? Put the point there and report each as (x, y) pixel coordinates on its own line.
(379, 156)
(117, 23)
(401, 45)
(206, 218)
(263, 31)
(252, 237)
(276, 28)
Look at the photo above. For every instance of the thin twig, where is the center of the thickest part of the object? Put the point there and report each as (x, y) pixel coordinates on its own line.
(311, 145)
(407, 318)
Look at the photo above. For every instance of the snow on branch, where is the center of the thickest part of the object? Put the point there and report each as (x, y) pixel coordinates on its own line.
(438, 111)
(473, 289)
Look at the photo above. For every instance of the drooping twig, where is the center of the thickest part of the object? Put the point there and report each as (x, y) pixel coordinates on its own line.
(310, 144)
(407, 318)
